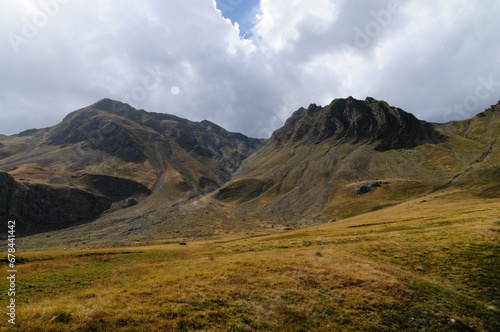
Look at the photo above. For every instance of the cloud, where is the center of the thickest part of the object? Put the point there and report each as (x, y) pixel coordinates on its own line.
(438, 60)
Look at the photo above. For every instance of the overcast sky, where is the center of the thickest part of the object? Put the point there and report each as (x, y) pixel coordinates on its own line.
(439, 60)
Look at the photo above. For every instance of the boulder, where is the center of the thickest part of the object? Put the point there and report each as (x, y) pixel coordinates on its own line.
(366, 188)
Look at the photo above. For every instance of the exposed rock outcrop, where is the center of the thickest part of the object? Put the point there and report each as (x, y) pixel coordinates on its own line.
(370, 121)
(114, 188)
(39, 208)
(366, 188)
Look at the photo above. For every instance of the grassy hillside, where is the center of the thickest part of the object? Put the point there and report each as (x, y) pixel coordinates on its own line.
(484, 174)
(429, 264)
(312, 178)
(308, 169)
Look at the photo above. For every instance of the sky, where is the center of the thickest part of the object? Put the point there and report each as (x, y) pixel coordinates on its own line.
(246, 65)
(242, 12)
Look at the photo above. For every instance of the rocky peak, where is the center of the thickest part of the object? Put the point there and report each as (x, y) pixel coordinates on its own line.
(118, 108)
(370, 120)
(97, 127)
(494, 109)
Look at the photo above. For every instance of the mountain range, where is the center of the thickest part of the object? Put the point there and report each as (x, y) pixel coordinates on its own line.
(112, 172)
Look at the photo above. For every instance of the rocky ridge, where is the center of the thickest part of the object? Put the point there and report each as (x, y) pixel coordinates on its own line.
(370, 121)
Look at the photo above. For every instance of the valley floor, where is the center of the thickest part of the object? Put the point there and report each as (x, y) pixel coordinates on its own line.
(429, 264)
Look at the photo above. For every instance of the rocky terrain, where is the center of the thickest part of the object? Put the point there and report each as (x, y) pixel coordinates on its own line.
(370, 121)
(40, 208)
(149, 175)
(111, 153)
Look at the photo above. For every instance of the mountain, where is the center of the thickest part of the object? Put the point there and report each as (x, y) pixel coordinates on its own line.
(350, 120)
(116, 155)
(146, 176)
(355, 156)
(123, 199)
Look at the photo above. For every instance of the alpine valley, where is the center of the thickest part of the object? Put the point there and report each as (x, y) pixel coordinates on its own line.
(352, 216)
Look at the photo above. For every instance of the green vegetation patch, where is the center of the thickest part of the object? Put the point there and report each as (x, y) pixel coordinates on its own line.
(243, 190)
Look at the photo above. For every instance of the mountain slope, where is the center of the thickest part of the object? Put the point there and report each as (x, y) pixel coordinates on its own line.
(113, 150)
(483, 175)
(313, 167)
(169, 176)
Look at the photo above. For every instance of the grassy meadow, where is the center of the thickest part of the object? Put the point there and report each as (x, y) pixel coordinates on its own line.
(429, 264)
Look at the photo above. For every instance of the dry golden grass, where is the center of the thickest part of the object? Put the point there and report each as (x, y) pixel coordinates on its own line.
(430, 266)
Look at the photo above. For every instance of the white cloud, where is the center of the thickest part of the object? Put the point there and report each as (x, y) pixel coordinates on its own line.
(281, 23)
(425, 56)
